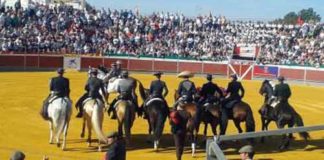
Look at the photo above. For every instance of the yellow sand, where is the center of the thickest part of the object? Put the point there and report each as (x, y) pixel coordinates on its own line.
(22, 128)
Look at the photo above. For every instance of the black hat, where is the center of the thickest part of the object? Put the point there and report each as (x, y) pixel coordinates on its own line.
(60, 70)
(281, 78)
(113, 64)
(157, 73)
(234, 76)
(209, 77)
(17, 155)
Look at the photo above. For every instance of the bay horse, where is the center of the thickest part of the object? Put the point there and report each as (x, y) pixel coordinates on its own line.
(191, 122)
(211, 115)
(59, 112)
(156, 111)
(93, 116)
(241, 112)
(283, 114)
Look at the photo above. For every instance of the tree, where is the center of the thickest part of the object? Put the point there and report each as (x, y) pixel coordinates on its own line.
(290, 18)
(309, 15)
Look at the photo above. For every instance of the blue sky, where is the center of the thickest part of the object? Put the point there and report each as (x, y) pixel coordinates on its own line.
(234, 9)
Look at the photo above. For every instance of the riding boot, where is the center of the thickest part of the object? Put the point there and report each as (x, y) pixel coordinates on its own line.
(44, 112)
(80, 114)
(112, 109)
(224, 121)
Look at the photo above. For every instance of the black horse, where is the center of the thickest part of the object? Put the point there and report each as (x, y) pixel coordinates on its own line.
(157, 111)
(283, 114)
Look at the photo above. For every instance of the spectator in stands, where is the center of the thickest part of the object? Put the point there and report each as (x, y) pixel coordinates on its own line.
(63, 29)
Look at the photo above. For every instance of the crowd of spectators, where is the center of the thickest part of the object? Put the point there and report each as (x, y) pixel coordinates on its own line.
(62, 29)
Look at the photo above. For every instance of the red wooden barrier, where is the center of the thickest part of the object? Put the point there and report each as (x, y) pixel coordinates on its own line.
(294, 74)
(50, 61)
(90, 61)
(166, 66)
(12, 60)
(32, 61)
(190, 66)
(141, 65)
(213, 68)
(313, 75)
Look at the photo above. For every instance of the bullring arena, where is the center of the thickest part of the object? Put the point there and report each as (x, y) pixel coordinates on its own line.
(22, 128)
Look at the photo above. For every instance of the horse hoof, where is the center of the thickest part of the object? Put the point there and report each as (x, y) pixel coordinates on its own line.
(82, 135)
(58, 144)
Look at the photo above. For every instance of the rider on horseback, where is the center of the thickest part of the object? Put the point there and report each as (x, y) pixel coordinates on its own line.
(92, 87)
(156, 90)
(282, 92)
(186, 89)
(208, 91)
(232, 90)
(59, 87)
(126, 91)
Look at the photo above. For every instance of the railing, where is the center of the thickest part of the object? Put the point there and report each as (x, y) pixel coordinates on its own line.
(214, 152)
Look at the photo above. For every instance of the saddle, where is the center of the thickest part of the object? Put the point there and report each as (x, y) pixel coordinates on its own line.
(153, 99)
(89, 98)
(231, 104)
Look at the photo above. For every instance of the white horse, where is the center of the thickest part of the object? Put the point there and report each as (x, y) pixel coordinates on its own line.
(59, 112)
(93, 116)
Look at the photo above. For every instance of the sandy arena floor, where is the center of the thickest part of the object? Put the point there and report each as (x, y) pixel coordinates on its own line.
(22, 128)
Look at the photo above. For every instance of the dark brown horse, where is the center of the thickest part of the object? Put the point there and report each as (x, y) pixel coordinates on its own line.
(191, 121)
(283, 114)
(241, 112)
(210, 114)
(157, 111)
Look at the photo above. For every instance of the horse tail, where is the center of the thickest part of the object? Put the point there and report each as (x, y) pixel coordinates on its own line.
(141, 90)
(61, 120)
(299, 123)
(96, 119)
(249, 121)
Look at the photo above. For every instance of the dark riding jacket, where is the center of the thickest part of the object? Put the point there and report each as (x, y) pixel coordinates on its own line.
(209, 89)
(60, 86)
(187, 88)
(282, 90)
(93, 86)
(126, 88)
(157, 87)
(233, 88)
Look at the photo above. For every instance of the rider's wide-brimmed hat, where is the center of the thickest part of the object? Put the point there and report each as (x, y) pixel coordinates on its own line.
(185, 74)
(281, 78)
(94, 71)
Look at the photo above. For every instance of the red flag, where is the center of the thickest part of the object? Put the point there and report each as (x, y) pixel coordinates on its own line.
(300, 21)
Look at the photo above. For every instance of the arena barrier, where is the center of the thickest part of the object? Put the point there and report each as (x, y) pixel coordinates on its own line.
(39, 61)
(214, 152)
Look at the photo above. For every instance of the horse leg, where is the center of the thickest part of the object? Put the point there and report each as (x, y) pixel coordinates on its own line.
(284, 136)
(83, 128)
(89, 131)
(263, 127)
(66, 127)
(213, 126)
(205, 131)
(238, 126)
(51, 132)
